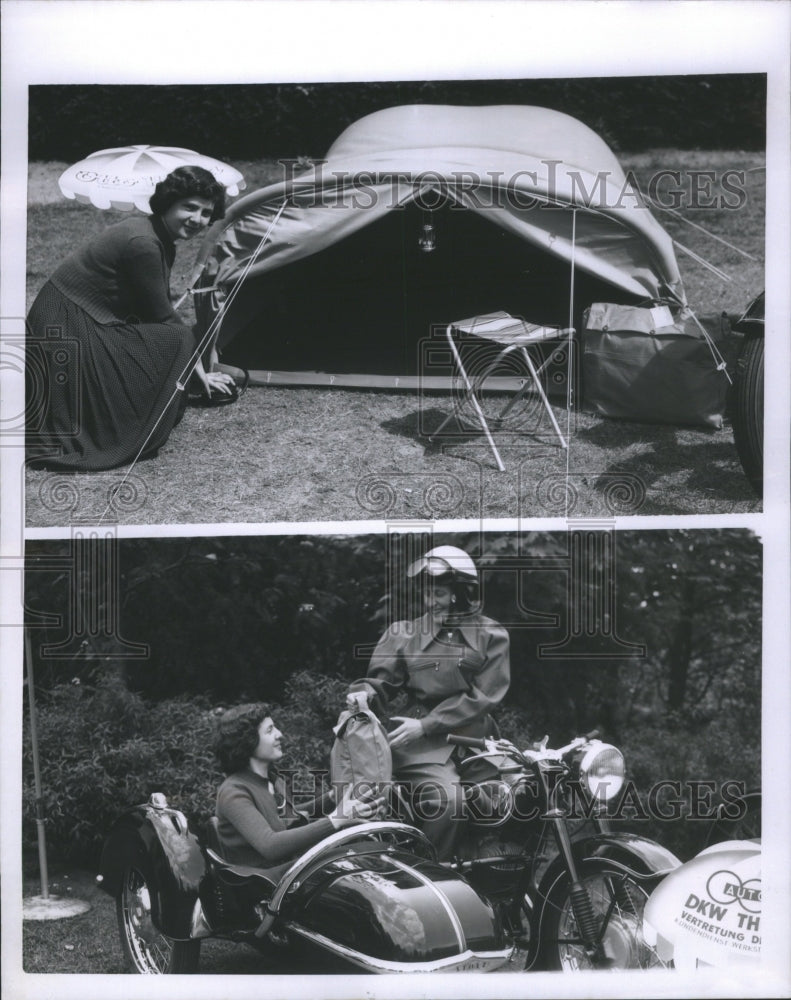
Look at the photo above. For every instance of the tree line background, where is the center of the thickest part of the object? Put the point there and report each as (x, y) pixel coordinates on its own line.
(292, 619)
(66, 122)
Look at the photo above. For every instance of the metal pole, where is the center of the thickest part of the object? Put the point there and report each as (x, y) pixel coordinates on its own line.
(42, 843)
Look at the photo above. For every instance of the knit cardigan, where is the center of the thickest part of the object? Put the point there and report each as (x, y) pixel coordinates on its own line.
(122, 275)
(251, 830)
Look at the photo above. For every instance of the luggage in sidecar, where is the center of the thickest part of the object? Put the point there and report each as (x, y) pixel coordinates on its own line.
(370, 897)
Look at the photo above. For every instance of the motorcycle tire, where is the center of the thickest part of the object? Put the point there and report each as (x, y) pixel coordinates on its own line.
(145, 949)
(618, 902)
(748, 411)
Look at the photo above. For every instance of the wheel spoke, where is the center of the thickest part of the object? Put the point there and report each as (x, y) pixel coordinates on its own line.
(613, 903)
(161, 954)
(617, 903)
(150, 951)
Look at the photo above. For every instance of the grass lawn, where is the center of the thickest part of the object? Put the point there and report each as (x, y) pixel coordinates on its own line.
(89, 943)
(331, 454)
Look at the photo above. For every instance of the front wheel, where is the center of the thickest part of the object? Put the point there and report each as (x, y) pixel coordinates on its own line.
(617, 901)
(146, 950)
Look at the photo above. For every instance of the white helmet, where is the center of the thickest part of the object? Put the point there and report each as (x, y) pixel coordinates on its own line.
(445, 559)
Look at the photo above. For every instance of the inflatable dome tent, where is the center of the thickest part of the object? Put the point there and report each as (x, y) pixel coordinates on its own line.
(420, 215)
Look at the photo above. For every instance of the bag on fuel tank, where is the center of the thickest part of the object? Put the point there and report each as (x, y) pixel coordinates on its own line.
(639, 363)
(360, 756)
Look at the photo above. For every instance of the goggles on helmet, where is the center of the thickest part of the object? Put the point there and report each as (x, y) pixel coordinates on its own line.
(445, 559)
(431, 566)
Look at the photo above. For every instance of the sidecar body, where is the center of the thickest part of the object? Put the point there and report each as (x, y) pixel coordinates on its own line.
(370, 898)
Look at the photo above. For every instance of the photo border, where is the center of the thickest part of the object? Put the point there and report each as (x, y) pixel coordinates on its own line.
(88, 42)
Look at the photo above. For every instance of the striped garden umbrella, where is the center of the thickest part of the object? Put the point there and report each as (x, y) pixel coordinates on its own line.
(124, 178)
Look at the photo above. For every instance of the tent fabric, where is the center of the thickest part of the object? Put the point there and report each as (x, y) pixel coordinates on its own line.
(537, 173)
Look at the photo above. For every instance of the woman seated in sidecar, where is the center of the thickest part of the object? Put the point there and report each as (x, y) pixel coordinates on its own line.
(257, 823)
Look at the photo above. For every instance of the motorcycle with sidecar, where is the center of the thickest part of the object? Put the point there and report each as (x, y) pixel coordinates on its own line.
(373, 898)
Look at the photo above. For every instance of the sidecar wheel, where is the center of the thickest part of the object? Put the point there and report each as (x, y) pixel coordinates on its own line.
(618, 902)
(145, 949)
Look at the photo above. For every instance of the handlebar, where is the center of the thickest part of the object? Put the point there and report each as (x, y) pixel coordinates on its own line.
(473, 742)
(539, 751)
(577, 742)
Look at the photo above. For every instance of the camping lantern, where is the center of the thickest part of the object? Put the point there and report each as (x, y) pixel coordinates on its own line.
(428, 235)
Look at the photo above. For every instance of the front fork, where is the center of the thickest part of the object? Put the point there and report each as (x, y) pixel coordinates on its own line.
(580, 899)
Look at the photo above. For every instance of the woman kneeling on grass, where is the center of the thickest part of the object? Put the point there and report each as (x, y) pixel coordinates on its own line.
(258, 824)
(107, 309)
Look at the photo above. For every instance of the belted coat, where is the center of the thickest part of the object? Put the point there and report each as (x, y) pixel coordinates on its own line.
(453, 674)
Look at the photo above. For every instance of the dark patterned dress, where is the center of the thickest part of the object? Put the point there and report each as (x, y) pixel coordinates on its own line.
(105, 351)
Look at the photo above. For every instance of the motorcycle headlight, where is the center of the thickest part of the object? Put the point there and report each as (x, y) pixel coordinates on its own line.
(602, 770)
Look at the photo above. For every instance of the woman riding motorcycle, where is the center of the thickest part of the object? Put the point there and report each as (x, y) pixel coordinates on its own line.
(453, 665)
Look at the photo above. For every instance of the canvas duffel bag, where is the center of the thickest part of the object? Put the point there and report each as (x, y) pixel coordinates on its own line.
(360, 756)
(638, 363)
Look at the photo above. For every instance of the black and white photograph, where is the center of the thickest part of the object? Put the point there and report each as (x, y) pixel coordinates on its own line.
(452, 299)
(475, 701)
(394, 434)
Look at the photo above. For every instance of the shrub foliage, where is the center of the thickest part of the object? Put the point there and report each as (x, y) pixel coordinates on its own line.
(726, 111)
(104, 749)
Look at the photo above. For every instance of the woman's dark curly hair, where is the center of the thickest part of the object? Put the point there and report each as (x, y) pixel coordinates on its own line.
(237, 735)
(188, 182)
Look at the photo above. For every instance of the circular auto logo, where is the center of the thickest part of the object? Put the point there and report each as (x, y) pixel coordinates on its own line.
(725, 887)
